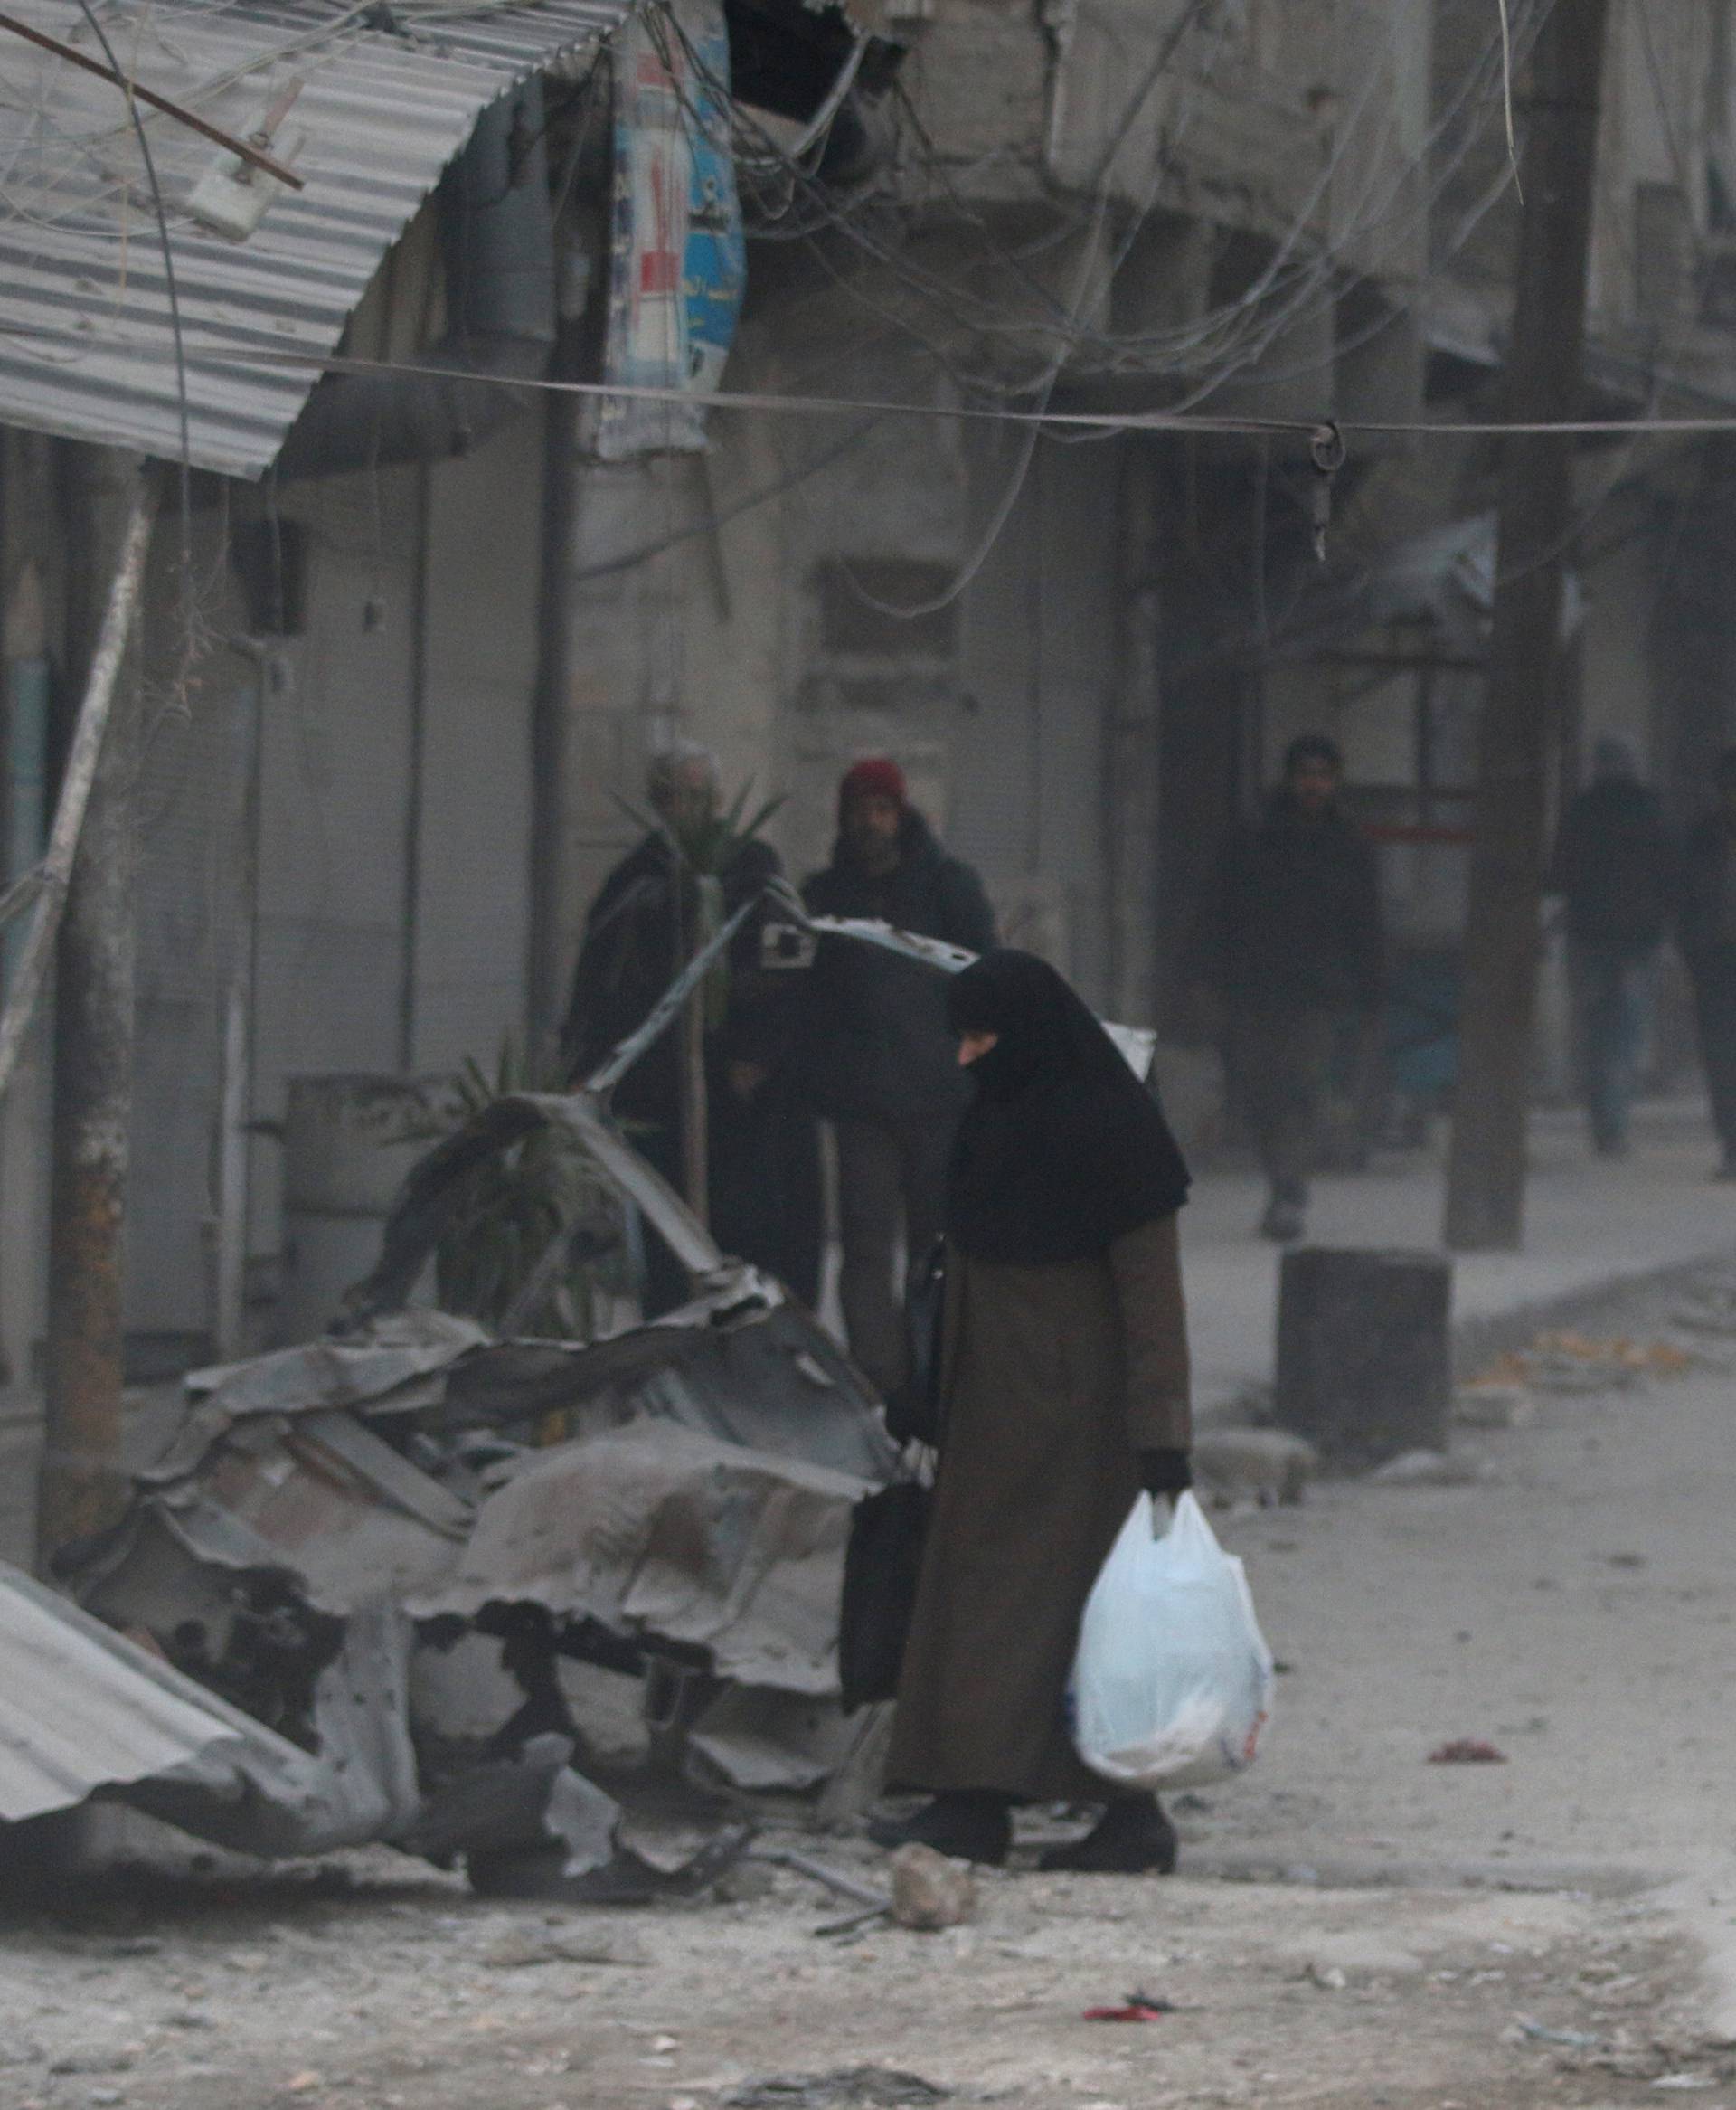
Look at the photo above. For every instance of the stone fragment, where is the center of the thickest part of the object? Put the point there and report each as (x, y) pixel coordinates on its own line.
(1494, 1406)
(1429, 1469)
(1267, 1466)
(509, 1946)
(930, 1892)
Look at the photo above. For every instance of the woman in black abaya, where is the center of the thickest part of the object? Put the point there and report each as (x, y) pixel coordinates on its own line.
(1065, 1391)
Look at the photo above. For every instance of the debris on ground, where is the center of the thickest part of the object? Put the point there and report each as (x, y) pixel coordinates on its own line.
(1266, 1467)
(1570, 2040)
(1487, 1403)
(1138, 2007)
(1429, 1469)
(930, 1892)
(854, 2087)
(414, 1584)
(1577, 1362)
(1468, 1751)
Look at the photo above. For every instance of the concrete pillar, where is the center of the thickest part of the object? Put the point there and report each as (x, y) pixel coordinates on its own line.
(1365, 1361)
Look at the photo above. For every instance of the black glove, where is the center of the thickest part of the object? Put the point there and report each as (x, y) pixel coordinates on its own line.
(1164, 1472)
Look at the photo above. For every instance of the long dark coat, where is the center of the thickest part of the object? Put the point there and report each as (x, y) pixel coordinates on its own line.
(1055, 1377)
(1293, 919)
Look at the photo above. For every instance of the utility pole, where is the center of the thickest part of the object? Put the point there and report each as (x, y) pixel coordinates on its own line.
(93, 1041)
(1131, 782)
(1486, 1180)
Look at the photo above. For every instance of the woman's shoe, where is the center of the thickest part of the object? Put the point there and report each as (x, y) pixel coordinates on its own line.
(965, 1826)
(1132, 1838)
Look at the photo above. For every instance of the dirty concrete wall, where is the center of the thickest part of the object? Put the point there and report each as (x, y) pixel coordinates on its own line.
(472, 925)
(336, 987)
(797, 637)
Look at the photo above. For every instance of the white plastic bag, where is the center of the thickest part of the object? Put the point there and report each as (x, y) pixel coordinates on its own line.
(1173, 1681)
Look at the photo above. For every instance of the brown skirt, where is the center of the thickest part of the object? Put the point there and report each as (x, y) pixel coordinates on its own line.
(1037, 1480)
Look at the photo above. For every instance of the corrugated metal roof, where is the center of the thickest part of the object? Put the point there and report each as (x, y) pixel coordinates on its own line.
(391, 91)
(82, 1707)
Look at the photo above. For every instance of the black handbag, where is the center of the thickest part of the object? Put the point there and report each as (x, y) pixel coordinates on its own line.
(882, 1564)
(913, 1412)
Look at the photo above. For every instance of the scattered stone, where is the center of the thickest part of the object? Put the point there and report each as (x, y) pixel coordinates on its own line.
(748, 1883)
(304, 2082)
(1429, 1469)
(104, 2098)
(870, 2088)
(930, 1892)
(1490, 1405)
(93, 2062)
(1328, 1977)
(1570, 2040)
(510, 1946)
(1363, 1955)
(1266, 1466)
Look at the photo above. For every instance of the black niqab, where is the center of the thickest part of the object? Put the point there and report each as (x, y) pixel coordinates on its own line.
(1063, 1150)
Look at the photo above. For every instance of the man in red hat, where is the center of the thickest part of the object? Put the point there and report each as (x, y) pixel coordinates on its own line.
(878, 1058)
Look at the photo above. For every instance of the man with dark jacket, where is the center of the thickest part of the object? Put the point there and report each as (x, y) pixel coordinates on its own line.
(1616, 864)
(1291, 945)
(880, 1061)
(764, 1172)
(1708, 939)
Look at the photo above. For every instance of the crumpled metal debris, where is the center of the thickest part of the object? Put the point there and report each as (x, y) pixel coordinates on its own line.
(319, 1502)
(87, 1711)
(668, 1536)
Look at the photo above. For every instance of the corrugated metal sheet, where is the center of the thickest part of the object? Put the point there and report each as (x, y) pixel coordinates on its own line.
(82, 1707)
(86, 347)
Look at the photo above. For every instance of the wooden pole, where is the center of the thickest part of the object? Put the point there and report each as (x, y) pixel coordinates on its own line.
(93, 1040)
(1131, 787)
(1486, 1186)
(695, 1102)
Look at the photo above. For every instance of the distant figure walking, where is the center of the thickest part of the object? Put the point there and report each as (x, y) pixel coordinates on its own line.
(1063, 1391)
(877, 1055)
(1708, 939)
(1289, 941)
(1618, 866)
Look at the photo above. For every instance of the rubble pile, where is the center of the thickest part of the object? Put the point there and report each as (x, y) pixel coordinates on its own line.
(380, 1604)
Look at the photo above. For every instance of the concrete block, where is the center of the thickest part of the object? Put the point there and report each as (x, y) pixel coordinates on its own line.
(1364, 1352)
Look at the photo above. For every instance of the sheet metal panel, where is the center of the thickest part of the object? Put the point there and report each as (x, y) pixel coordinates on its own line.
(85, 345)
(83, 1708)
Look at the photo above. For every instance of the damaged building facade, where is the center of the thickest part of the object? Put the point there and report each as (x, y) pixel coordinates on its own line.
(431, 627)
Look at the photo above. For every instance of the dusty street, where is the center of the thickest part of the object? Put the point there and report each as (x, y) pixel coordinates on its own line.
(1355, 1925)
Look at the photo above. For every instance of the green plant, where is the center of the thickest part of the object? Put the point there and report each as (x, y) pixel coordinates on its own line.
(511, 1208)
(707, 846)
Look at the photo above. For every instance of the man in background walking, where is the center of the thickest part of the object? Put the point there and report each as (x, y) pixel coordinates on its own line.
(1615, 866)
(764, 1173)
(1290, 946)
(878, 1058)
(1708, 937)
